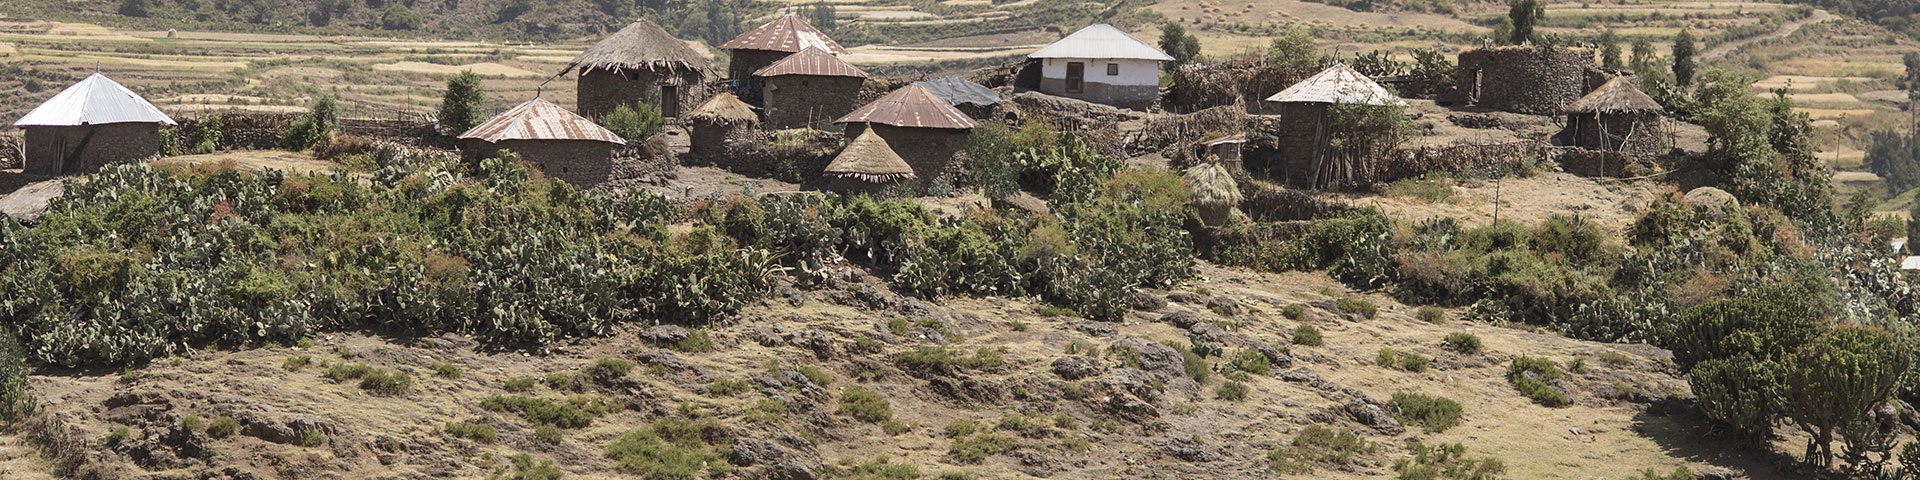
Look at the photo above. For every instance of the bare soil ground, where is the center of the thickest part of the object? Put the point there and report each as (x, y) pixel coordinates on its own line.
(1610, 204)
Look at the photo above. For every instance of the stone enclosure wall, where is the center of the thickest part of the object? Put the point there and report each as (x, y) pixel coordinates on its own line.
(84, 149)
(807, 101)
(602, 90)
(1530, 80)
(1637, 135)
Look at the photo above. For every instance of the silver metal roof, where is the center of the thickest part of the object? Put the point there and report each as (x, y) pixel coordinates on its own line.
(96, 100)
(1101, 41)
(1337, 84)
(956, 90)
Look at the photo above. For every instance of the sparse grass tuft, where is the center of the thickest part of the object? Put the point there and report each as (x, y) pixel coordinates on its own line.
(608, 370)
(539, 411)
(1425, 190)
(697, 341)
(117, 435)
(766, 410)
(1615, 359)
(1232, 391)
(1318, 446)
(386, 383)
(296, 362)
(895, 427)
(1294, 311)
(961, 428)
(476, 430)
(1363, 308)
(222, 427)
(1055, 311)
(1532, 376)
(1432, 315)
(1432, 413)
(975, 449)
(1307, 335)
(548, 434)
(446, 370)
(1411, 362)
(865, 405)
(519, 384)
(1447, 461)
(1578, 365)
(816, 376)
(727, 387)
(311, 438)
(1463, 342)
(344, 372)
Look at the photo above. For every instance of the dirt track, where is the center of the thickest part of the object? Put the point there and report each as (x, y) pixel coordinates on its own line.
(1785, 30)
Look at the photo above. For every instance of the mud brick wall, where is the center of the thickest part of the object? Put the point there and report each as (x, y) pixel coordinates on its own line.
(601, 90)
(753, 153)
(84, 149)
(583, 163)
(809, 101)
(1530, 80)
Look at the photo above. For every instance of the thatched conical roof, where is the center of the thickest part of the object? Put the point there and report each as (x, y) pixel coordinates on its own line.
(1616, 96)
(641, 45)
(869, 158)
(1212, 185)
(912, 107)
(724, 108)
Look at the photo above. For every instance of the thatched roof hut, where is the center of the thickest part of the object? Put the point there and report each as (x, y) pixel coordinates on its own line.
(1616, 96)
(1309, 159)
(1215, 193)
(1616, 118)
(720, 121)
(867, 165)
(921, 126)
(639, 63)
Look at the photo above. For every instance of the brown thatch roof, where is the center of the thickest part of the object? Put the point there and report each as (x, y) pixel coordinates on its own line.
(1212, 185)
(724, 108)
(814, 62)
(1616, 96)
(869, 158)
(641, 45)
(912, 107)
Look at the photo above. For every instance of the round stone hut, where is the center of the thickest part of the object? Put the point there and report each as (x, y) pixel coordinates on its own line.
(640, 63)
(808, 88)
(1304, 137)
(771, 42)
(718, 123)
(1617, 117)
(563, 145)
(868, 166)
(923, 128)
(1533, 80)
(89, 125)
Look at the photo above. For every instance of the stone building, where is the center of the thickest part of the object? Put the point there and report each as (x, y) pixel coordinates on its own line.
(808, 88)
(563, 145)
(868, 166)
(1305, 133)
(770, 43)
(1617, 117)
(720, 122)
(921, 127)
(1226, 150)
(640, 63)
(1526, 79)
(1102, 64)
(89, 125)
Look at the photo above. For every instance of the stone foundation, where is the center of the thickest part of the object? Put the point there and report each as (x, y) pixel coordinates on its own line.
(1637, 135)
(1137, 97)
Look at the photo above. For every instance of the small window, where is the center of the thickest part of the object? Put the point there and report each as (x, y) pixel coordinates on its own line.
(1113, 69)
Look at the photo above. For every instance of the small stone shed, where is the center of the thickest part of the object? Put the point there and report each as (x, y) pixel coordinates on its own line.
(1102, 64)
(718, 123)
(1304, 133)
(760, 47)
(563, 145)
(640, 63)
(868, 166)
(808, 88)
(91, 124)
(1227, 150)
(1617, 117)
(1534, 80)
(920, 126)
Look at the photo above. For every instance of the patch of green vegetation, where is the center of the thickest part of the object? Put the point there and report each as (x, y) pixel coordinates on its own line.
(559, 381)
(446, 370)
(1232, 391)
(673, 449)
(962, 428)
(524, 468)
(865, 405)
(1463, 342)
(1408, 361)
(697, 341)
(1017, 326)
(477, 430)
(1294, 311)
(539, 411)
(816, 376)
(1615, 359)
(1307, 335)
(975, 449)
(1433, 190)
(944, 359)
(518, 384)
(296, 362)
(117, 435)
(880, 469)
(1532, 377)
(222, 427)
(608, 370)
(1447, 462)
(1432, 315)
(766, 410)
(1073, 391)
(1578, 365)
(1318, 446)
(343, 372)
(727, 387)
(386, 383)
(311, 438)
(1252, 361)
(1055, 311)
(895, 427)
(1355, 306)
(548, 434)
(1431, 413)
(192, 422)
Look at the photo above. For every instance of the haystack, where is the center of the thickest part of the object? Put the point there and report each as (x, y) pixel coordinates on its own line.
(640, 63)
(867, 165)
(1617, 117)
(1215, 193)
(723, 119)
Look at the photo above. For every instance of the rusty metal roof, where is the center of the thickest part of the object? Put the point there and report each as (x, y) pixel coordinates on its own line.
(910, 106)
(96, 100)
(540, 120)
(1101, 41)
(1337, 84)
(789, 33)
(812, 61)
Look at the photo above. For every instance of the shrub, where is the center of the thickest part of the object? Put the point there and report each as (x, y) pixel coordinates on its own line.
(192, 422)
(446, 370)
(476, 430)
(1363, 308)
(697, 341)
(1835, 382)
(1232, 391)
(315, 128)
(1402, 360)
(815, 376)
(636, 122)
(727, 387)
(1432, 314)
(548, 434)
(518, 384)
(559, 381)
(894, 427)
(766, 410)
(865, 405)
(463, 105)
(673, 450)
(1533, 376)
(311, 438)
(1294, 311)
(295, 363)
(526, 469)
(539, 411)
(343, 372)
(1252, 361)
(117, 435)
(962, 428)
(386, 383)
(1578, 365)
(1434, 414)
(1463, 342)
(222, 427)
(975, 449)
(399, 17)
(1307, 335)
(1317, 446)
(1447, 461)
(879, 469)
(609, 370)
(1615, 359)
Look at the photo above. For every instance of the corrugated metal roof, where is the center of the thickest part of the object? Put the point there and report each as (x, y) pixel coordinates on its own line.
(1337, 84)
(1101, 41)
(812, 61)
(956, 90)
(1910, 263)
(96, 100)
(789, 33)
(910, 106)
(1235, 138)
(540, 120)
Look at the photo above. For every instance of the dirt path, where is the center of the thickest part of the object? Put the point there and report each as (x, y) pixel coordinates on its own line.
(1785, 30)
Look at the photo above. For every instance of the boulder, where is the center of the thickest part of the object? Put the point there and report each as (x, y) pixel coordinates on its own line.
(1075, 367)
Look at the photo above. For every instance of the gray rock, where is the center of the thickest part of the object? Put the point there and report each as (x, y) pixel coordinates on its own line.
(1225, 305)
(1275, 356)
(1211, 333)
(1189, 298)
(1129, 381)
(1372, 415)
(1185, 448)
(1096, 329)
(1075, 367)
(1146, 302)
(1155, 358)
(664, 334)
(1181, 319)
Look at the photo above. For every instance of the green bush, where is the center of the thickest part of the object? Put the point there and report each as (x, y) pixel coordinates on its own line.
(673, 450)
(1252, 361)
(865, 405)
(727, 387)
(1232, 391)
(1356, 306)
(399, 17)
(962, 428)
(766, 410)
(1432, 315)
(1463, 342)
(1318, 446)
(315, 129)
(1434, 414)
(609, 370)
(525, 469)
(1293, 311)
(943, 359)
(1402, 360)
(464, 104)
(476, 430)
(548, 434)
(1307, 335)
(975, 449)
(815, 376)
(386, 383)
(446, 370)
(295, 363)
(343, 372)
(635, 122)
(518, 384)
(1447, 461)
(539, 411)
(1538, 385)
(222, 427)
(311, 438)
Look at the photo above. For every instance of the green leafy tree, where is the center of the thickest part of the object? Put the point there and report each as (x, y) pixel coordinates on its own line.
(399, 17)
(1525, 14)
(1834, 384)
(1683, 51)
(1175, 41)
(136, 8)
(315, 128)
(1644, 57)
(823, 16)
(1294, 49)
(1610, 51)
(634, 122)
(1502, 34)
(460, 108)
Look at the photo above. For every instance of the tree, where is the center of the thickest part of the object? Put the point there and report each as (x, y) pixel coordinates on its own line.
(635, 122)
(1294, 49)
(823, 16)
(1178, 44)
(1913, 234)
(1834, 383)
(1643, 56)
(136, 8)
(1610, 51)
(399, 17)
(460, 108)
(1683, 50)
(1524, 14)
(315, 128)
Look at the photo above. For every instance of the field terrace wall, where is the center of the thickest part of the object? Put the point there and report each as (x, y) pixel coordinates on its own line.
(84, 149)
(796, 155)
(1530, 80)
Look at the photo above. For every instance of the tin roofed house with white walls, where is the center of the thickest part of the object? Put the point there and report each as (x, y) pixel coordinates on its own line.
(1102, 64)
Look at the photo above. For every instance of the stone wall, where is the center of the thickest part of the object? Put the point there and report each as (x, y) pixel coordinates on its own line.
(601, 90)
(741, 67)
(1137, 97)
(1245, 81)
(583, 163)
(807, 101)
(713, 139)
(929, 150)
(13, 151)
(261, 131)
(1597, 163)
(1417, 161)
(795, 155)
(854, 186)
(1637, 135)
(1530, 80)
(84, 149)
(1298, 135)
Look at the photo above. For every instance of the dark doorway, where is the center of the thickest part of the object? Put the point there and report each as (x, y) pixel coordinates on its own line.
(1076, 77)
(669, 101)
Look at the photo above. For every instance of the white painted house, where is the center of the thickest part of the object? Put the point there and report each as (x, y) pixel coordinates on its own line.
(1102, 64)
